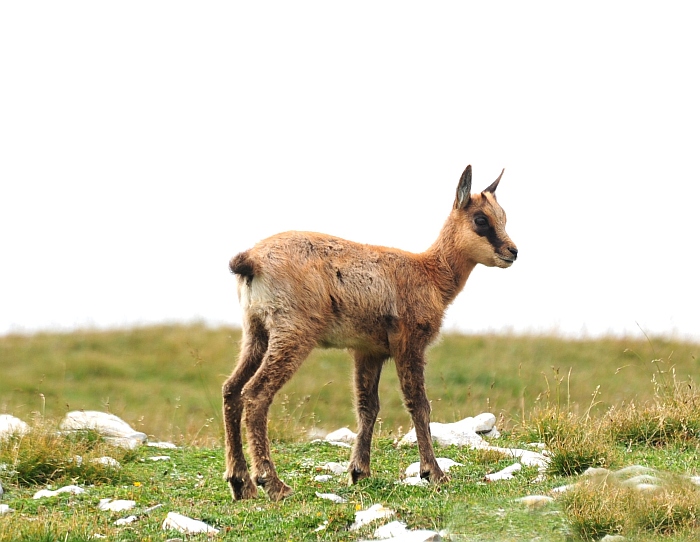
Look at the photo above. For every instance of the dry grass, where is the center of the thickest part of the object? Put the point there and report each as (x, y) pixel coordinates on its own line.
(44, 455)
(602, 505)
(672, 415)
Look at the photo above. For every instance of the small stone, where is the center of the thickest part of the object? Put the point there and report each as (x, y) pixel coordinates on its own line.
(341, 435)
(5, 509)
(75, 490)
(112, 428)
(415, 481)
(107, 461)
(118, 505)
(166, 445)
(331, 497)
(374, 512)
(504, 474)
(9, 426)
(335, 468)
(186, 525)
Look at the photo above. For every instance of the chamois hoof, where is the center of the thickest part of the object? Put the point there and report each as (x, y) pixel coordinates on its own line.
(277, 490)
(355, 474)
(242, 488)
(435, 476)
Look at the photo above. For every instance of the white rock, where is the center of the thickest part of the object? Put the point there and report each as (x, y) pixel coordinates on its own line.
(526, 457)
(331, 497)
(336, 468)
(415, 481)
(75, 490)
(117, 505)
(562, 489)
(341, 435)
(535, 501)
(323, 478)
(445, 463)
(483, 423)
(504, 474)
(449, 434)
(321, 527)
(612, 538)
(398, 532)
(5, 509)
(126, 520)
(152, 508)
(166, 445)
(695, 480)
(374, 512)
(9, 426)
(160, 458)
(186, 525)
(115, 430)
(108, 461)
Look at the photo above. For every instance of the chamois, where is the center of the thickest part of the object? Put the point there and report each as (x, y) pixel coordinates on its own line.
(301, 290)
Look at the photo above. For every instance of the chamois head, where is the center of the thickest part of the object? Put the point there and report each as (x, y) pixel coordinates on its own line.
(481, 224)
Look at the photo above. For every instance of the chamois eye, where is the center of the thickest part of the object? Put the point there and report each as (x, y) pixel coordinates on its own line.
(481, 221)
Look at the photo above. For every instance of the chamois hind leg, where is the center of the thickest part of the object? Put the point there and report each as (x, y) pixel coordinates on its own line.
(368, 369)
(253, 349)
(410, 366)
(285, 353)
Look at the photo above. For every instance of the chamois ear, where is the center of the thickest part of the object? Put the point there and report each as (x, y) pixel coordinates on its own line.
(464, 189)
(492, 187)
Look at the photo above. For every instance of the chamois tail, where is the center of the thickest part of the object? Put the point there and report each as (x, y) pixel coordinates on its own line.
(242, 264)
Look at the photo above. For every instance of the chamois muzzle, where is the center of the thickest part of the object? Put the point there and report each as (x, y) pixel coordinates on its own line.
(509, 258)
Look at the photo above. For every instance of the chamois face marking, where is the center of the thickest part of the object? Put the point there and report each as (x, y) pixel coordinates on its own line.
(489, 221)
(484, 224)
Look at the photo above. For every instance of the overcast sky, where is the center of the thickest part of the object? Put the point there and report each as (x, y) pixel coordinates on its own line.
(143, 144)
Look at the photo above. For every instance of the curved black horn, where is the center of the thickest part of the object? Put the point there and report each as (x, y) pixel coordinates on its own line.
(492, 187)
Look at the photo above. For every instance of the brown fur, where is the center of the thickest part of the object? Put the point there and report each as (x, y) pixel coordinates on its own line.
(300, 290)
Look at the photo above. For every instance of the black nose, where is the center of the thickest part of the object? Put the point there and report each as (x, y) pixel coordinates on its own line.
(513, 251)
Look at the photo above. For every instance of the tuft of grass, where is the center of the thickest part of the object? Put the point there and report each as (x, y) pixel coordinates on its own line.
(44, 456)
(575, 442)
(601, 505)
(671, 416)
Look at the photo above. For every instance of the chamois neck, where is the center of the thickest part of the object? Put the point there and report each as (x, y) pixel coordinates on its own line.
(449, 263)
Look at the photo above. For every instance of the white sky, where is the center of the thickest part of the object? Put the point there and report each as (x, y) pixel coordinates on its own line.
(143, 144)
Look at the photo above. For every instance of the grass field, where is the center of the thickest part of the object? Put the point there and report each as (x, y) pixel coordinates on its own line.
(166, 381)
(608, 402)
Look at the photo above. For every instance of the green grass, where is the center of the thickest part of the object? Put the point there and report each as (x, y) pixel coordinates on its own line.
(190, 483)
(595, 402)
(166, 380)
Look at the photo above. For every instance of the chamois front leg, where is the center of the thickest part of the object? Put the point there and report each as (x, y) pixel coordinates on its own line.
(368, 369)
(253, 349)
(410, 367)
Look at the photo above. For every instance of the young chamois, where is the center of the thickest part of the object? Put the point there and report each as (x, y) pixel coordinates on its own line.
(300, 290)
